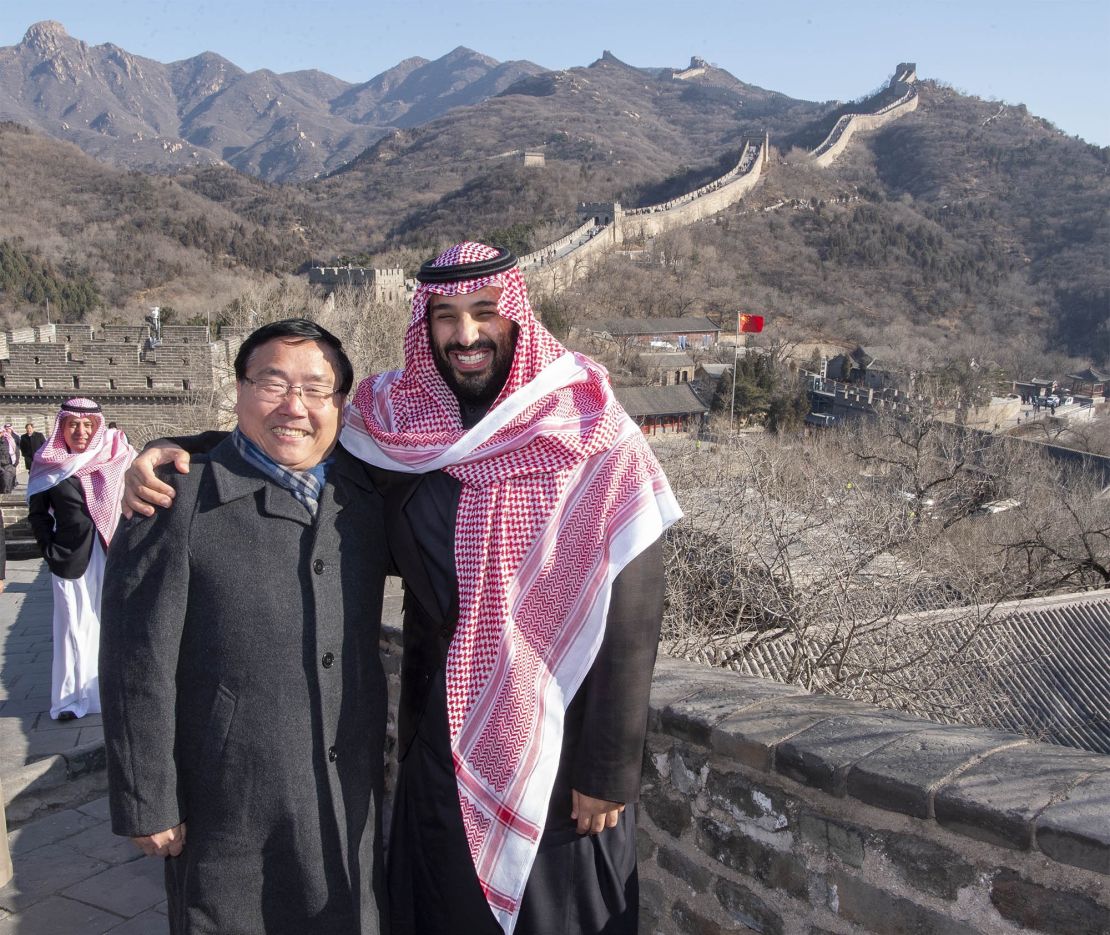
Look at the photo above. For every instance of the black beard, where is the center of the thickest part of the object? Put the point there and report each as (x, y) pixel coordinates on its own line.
(479, 388)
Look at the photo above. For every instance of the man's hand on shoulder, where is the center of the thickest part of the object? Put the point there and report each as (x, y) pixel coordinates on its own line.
(168, 843)
(593, 815)
(143, 491)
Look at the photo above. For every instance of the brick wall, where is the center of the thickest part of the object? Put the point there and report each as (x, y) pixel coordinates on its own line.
(147, 390)
(767, 809)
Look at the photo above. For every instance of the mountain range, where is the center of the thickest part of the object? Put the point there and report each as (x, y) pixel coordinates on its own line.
(138, 113)
(965, 224)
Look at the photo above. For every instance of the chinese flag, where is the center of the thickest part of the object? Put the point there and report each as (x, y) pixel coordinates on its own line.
(750, 324)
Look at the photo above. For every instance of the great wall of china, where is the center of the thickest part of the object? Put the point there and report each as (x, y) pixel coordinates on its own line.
(145, 379)
(607, 224)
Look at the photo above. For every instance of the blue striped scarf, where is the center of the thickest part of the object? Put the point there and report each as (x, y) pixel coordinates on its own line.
(304, 485)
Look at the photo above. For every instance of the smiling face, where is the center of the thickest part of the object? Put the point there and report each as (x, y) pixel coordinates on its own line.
(77, 432)
(472, 344)
(293, 435)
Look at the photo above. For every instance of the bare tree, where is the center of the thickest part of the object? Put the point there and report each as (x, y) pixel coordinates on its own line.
(800, 561)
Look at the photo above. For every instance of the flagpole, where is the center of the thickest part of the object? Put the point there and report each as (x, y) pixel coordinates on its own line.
(735, 358)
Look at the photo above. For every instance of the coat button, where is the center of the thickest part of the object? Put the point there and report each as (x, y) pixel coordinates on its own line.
(332, 754)
(318, 566)
(446, 631)
(327, 659)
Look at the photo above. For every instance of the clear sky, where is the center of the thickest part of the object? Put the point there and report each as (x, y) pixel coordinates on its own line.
(1047, 54)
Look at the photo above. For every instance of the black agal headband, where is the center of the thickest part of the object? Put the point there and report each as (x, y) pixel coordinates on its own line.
(78, 407)
(460, 272)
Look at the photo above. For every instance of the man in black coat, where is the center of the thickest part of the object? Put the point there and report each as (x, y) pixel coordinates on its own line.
(244, 697)
(30, 442)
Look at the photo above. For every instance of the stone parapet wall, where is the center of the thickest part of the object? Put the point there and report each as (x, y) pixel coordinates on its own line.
(554, 267)
(770, 809)
(835, 143)
(708, 201)
(548, 252)
(149, 389)
(143, 416)
(767, 809)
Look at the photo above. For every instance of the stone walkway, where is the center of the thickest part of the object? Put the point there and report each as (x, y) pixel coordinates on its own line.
(72, 875)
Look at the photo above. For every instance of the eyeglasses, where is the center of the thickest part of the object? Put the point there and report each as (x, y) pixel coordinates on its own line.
(274, 391)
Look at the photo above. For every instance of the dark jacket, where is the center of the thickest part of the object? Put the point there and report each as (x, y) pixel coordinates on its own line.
(29, 444)
(243, 694)
(65, 537)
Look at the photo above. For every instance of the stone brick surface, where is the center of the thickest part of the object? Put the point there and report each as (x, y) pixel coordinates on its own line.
(998, 799)
(1047, 910)
(652, 902)
(126, 890)
(882, 912)
(1077, 830)
(822, 755)
(743, 906)
(902, 775)
(691, 922)
(694, 717)
(839, 841)
(752, 736)
(768, 807)
(777, 869)
(670, 814)
(928, 866)
(59, 916)
(677, 864)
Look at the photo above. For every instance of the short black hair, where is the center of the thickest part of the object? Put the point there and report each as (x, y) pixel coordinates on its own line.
(301, 329)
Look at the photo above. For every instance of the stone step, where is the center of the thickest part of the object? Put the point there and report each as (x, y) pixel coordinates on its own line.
(21, 547)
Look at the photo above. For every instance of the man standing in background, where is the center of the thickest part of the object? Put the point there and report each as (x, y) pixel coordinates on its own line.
(30, 442)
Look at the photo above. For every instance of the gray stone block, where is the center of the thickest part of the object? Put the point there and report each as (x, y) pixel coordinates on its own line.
(55, 916)
(49, 830)
(742, 905)
(879, 911)
(840, 842)
(767, 806)
(652, 901)
(670, 814)
(677, 864)
(777, 869)
(689, 921)
(927, 866)
(1077, 830)
(998, 799)
(101, 843)
(694, 717)
(126, 890)
(151, 922)
(43, 872)
(1047, 910)
(902, 775)
(752, 736)
(98, 808)
(822, 755)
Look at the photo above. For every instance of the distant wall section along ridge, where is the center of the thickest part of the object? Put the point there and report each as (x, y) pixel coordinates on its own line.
(607, 224)
(904, 80)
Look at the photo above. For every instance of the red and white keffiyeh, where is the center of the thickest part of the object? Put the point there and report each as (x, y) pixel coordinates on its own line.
(560, 491)
(99, 468)
(12, 442)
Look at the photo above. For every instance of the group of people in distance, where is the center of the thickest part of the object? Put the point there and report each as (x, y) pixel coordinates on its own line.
(243, 693)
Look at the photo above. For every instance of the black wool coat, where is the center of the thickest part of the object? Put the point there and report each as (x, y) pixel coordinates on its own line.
(243, 694)
(66, 538)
